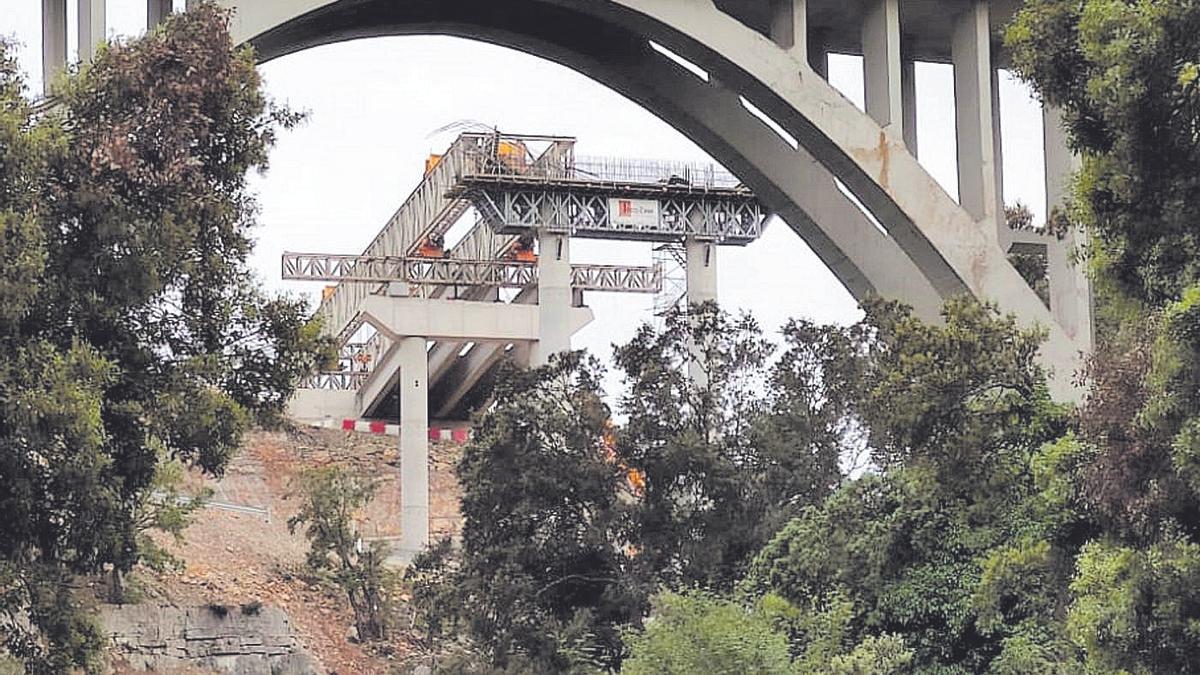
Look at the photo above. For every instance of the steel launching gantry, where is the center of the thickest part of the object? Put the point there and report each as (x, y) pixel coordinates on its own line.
(435, 272)
(421, 325)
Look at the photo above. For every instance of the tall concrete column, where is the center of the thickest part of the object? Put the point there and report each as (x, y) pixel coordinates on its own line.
(881, 62)
(54, 40)
(789, 26)
(157, 12)
(554, 295)
(1070, 287)
(414, 446)
(1004, 233)
(908, 102)
(818, 53)
(92, 27)
(701, 272)
(970, 49)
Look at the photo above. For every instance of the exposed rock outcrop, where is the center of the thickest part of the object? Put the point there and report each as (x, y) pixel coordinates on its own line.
(251, 640)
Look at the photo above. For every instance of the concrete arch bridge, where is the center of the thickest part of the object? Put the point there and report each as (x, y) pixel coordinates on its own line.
(745, 80)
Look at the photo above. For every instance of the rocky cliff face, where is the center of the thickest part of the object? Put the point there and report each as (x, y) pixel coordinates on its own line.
(249, 640)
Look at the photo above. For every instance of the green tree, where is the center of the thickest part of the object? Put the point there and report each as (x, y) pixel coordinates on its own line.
(1126, 77)
(729, 447)
(331, 501)
(956, 417)
(698, 633)
(129, 325)
(544, 576)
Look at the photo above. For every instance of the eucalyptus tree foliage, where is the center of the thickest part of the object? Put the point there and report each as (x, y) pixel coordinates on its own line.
(130, 326)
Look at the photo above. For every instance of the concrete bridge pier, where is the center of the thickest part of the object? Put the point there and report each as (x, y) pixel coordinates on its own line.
(54, 40)
(555, 295)
(414, 447)
(701, 271)
(977, 118)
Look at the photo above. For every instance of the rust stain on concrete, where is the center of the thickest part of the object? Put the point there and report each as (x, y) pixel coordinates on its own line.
(881, 154)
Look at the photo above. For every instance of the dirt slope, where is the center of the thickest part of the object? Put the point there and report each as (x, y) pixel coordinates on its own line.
(235, 557)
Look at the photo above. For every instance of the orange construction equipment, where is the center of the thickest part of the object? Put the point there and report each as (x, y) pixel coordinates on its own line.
(431, 163)
(521, 251)
(432, 247)
(513, 154)
(635, 478)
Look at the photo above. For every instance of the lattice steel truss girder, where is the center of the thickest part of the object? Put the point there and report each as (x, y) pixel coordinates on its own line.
(453, 272)
(722, 218)
(337, 381)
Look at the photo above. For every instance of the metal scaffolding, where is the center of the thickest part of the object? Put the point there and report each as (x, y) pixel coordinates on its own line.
(614, 198)
(638, 215)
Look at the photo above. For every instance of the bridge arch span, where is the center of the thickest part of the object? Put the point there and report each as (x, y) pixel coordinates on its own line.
(932, 247)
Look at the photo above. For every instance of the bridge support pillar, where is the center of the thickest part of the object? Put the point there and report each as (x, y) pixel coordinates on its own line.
(555, 295)
(414, 447)
(789, 26)
(908, 103)
(92, 27)
(881, 62)
(54, 40)
(1070, 288)
(157, 12)
(976, 115)
(701, 271)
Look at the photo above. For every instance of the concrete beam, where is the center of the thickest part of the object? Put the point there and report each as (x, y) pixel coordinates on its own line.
(978, 191)
(479, 361)
(457, 320)
(881, 63)
(92, 27)
(313, 405)
(54, 40)
(414, 448)
(380, 382)
(469, 370)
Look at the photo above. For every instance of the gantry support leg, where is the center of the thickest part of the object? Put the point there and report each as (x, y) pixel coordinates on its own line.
(554, 295)
(92, 27)
(414, 447)
(976, 112)
(1070, 287)
(701, 271)
(54, 40)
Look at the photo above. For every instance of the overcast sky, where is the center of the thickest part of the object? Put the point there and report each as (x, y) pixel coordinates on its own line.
(373, 105)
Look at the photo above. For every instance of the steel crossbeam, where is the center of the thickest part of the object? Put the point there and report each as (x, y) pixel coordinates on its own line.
(334, 380)
(454, 272)
(517, 208)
